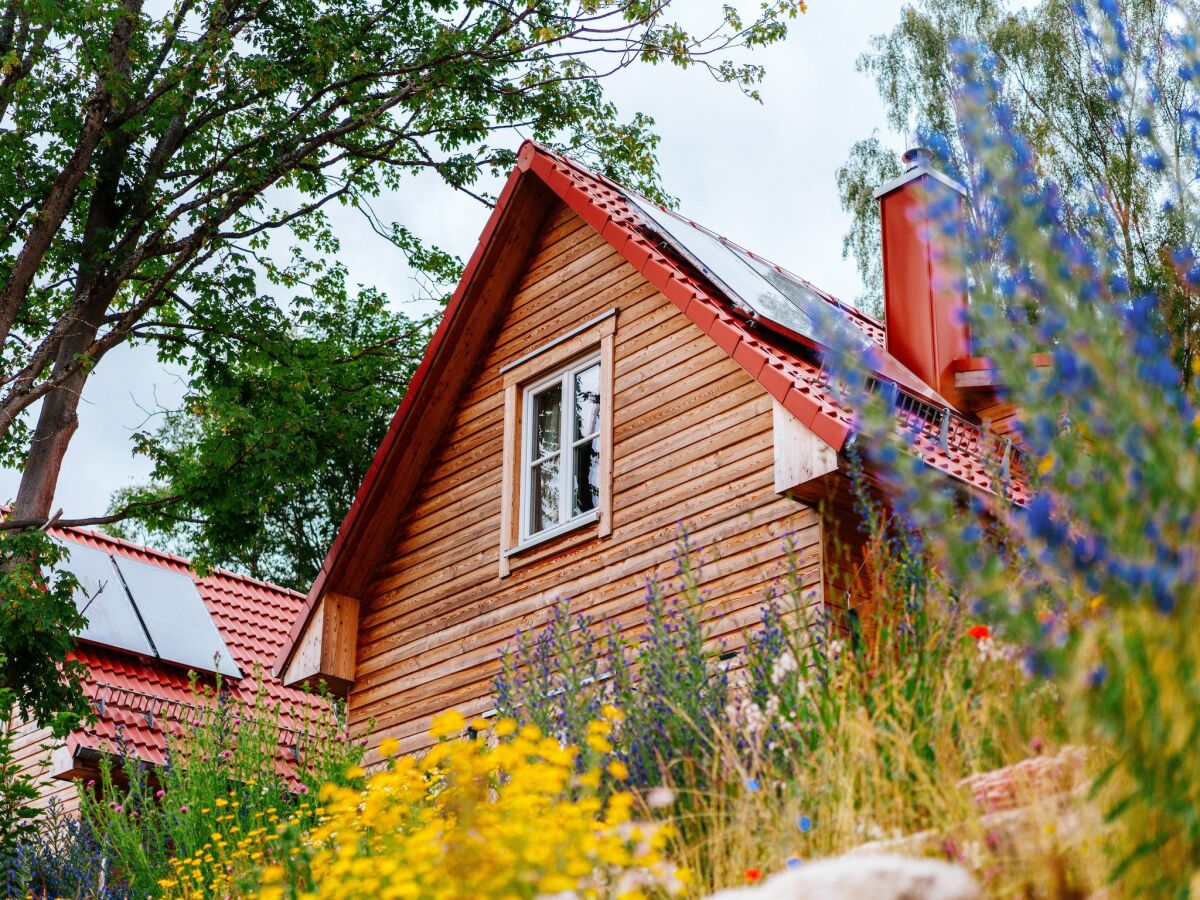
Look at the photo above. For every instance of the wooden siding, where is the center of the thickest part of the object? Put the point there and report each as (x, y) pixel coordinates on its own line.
(32, 750)
(692, 444)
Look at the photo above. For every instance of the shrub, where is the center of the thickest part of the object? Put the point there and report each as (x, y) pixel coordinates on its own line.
(821, 738)
(833, 739)
(1097, 580)
(504, 812)
(17, 790)
(227, 774)
(670, 686)
(60, 857)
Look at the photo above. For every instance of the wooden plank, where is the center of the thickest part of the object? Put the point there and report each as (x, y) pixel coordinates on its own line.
(427, 679)
(607, 389)
(747, 564)
(306, 659)
(339, 639)
(509, 495)
(712, 499)
(800, 456)
(638, 500)
(727, 534)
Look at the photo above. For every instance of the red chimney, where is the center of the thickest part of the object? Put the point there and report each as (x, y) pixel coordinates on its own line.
(924, 286)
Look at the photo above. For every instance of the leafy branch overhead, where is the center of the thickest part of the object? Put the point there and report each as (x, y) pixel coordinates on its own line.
(164, 170)
(1086, 140)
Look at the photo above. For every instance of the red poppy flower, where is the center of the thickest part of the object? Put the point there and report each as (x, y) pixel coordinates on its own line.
(753, 875)
(979, 632)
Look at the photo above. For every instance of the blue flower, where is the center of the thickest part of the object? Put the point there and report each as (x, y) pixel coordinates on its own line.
(804, 823)
(752, 785)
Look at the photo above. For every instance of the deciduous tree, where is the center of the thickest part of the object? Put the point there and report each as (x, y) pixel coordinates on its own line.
(165, 169)
(1094, 146)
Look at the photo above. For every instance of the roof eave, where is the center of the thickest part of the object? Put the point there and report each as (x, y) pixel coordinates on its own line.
(334, 570)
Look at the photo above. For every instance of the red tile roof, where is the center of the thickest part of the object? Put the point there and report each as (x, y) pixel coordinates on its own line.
(137, 699)
(787, 369)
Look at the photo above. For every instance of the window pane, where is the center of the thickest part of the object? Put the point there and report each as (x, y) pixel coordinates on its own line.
(543, 495)
(586, 477)
(547, 421)
(587, 402)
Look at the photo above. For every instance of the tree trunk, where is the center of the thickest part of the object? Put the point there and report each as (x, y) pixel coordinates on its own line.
(59, 416)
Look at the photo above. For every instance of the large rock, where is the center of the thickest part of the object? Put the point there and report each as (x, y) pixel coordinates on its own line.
(883, 877)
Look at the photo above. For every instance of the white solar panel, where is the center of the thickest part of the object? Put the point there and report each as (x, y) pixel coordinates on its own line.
(760, 288)
(176, 618)
(101, 598)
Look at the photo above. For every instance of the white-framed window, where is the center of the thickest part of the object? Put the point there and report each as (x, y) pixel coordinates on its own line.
(561, 469)
(557, 484)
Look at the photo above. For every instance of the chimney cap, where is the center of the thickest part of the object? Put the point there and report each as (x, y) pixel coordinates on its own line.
(917, 156)
(918, 161)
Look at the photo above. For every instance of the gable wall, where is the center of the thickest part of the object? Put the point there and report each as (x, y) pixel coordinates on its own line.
(692, 443)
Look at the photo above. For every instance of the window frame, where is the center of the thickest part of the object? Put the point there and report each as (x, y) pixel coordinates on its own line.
(574, 350)
(564, 377)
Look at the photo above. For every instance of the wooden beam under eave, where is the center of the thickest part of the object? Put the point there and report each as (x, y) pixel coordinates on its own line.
(327, 647)
(68, 763)
(803, 462)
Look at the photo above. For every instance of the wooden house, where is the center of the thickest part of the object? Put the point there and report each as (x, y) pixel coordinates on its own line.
(153, 625)
(606, 371)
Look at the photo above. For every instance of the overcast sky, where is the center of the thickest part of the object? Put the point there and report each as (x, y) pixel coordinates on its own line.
(763, 175)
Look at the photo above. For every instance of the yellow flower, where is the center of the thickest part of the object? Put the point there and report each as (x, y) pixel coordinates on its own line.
(504, 727)
(389, 747)
(611, 713)
(355, 772)
(599, 744)
(470, 818)
(1046, 464)
(447, 724)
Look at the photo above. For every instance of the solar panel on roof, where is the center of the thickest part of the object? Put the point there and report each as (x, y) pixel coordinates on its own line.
(101, 598)
(761, 288)
(176, 618)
